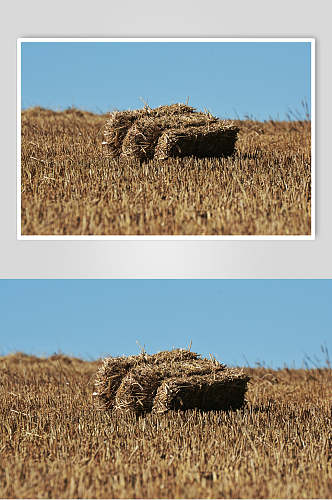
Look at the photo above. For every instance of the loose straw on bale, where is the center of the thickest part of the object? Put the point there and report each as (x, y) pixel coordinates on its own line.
(169, 380)
(170, 131)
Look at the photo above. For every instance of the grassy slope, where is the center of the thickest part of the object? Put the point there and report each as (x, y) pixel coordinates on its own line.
(70, 187)
(54, 443)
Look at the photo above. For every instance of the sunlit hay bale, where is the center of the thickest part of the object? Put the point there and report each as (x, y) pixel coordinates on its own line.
(221, 391)
(137, 389)
(178, 379)
(141, 139)
(114, 369)
(116, 129)
(211, 141)
(109, 377)
(165, 132)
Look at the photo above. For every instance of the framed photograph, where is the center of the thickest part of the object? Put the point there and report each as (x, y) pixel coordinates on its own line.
(166, 138)
(165, 389)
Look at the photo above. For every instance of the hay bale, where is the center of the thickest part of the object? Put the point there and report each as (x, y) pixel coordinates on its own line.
(165, 132)
(141, 139)
(222, 391)
(116, 129)
(169, 380)
(109, 378)
(201, 141)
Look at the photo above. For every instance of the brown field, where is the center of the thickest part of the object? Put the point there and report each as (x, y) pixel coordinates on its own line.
(54, 443)
(69, 187)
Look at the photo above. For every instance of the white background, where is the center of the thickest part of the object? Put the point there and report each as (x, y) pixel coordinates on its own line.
(178, 259)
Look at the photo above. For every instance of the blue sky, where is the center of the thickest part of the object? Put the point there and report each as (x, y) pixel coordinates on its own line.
(273, 321)
(260, 79)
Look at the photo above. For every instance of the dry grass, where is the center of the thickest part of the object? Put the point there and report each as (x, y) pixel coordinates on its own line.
(69, 186)
(55, 444)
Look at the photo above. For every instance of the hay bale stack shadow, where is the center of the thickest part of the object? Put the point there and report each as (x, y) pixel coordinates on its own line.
(173, 131)
(169, 380)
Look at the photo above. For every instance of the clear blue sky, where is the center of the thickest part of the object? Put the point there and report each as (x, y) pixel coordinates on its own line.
(271, 321)
(261, 79)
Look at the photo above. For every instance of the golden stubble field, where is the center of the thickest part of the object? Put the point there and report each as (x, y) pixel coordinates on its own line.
(69, 186)
(55, 442)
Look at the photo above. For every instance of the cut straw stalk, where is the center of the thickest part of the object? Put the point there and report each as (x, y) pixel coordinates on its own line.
(169, 380)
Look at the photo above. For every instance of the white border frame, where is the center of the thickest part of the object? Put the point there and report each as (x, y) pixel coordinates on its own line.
(170, 237)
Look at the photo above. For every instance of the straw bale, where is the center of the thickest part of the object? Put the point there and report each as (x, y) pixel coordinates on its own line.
(116, 129)
(137, 389)
(170, 131)
(201, 141)
(169, 380)
(141, 139)
(220, 391)
(109, 378)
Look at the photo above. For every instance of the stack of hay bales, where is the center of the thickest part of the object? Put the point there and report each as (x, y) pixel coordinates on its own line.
(170, 131)
(169, 380)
